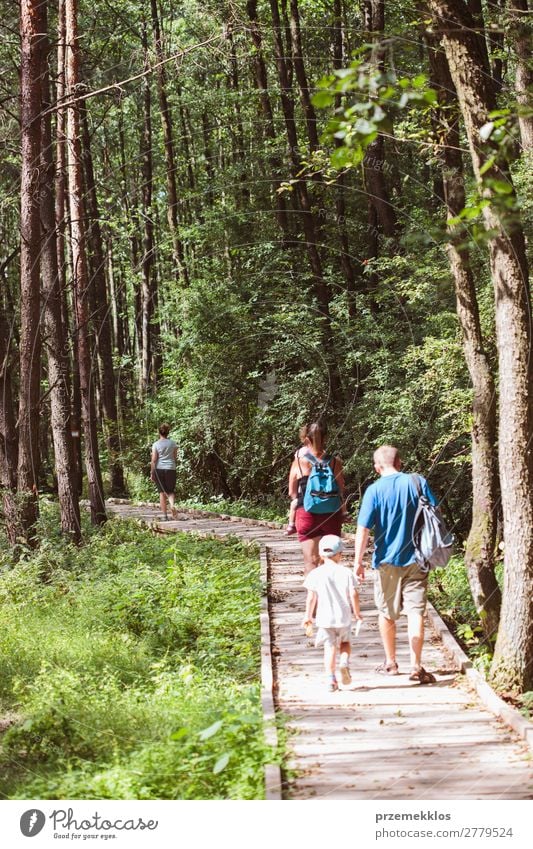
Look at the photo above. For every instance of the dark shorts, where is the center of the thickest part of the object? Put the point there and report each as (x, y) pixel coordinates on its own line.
(165, 480)
(312, 525)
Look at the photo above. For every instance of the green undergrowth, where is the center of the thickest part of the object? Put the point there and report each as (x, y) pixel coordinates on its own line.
(269, 512)
(132, 665)
(449, 592)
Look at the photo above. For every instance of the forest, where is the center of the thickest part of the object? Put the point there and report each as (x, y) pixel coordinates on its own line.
(240, 216)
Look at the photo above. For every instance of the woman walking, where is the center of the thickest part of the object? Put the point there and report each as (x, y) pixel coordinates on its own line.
(163, 469)
(311, 526)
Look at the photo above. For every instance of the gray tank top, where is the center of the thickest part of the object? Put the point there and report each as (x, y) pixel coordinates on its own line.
(165, 453)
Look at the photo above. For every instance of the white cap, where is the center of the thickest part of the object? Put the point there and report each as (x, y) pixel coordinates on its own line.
(330, 544)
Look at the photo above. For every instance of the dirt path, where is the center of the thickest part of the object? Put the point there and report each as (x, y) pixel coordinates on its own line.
(379, 738)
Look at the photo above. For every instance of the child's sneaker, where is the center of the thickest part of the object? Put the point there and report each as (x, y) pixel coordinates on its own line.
(290, 530)
(346, 677)
(333, 685)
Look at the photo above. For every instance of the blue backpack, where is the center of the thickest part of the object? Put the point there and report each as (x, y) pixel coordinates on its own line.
(322, 493)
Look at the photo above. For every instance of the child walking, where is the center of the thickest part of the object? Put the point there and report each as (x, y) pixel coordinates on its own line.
(333, 589)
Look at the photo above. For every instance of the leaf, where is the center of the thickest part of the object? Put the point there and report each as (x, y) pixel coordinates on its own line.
(501, 187)
(211, 731)
(342, 73)
(487, 165)
(485, 131)
(341, 157)
(364, 127)
(322, 99)
(419, 81)
(221, 763)
(179, 734)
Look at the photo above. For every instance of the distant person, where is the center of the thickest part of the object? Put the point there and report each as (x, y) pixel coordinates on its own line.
(163, 470)
(310, 525)
(332, 588)
(388, 508)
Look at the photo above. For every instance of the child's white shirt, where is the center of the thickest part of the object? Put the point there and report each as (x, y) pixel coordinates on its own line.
(333, 583)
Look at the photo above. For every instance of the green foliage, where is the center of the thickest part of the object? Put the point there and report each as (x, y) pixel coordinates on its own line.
(449, 592)
(119, 661)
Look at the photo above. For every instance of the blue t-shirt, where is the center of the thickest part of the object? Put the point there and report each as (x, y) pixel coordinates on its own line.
(388, 507)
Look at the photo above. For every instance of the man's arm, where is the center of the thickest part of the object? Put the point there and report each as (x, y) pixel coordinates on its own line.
(361, 542)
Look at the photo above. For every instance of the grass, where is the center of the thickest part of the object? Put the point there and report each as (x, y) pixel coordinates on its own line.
(132, 665)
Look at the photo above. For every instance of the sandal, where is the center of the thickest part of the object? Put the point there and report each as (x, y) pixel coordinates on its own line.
(422, 676)
(388, 668)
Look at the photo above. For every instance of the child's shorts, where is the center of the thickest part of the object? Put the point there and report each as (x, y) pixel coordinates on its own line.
(332, 636)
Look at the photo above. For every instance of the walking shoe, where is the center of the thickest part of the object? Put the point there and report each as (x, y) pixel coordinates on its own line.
(290, 530)
(333, 685)
(422, 676)
(163, 518)
(387, 668)
(346, 677)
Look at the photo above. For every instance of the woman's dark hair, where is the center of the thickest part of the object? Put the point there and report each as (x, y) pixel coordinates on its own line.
(164, 430)
(317, 434)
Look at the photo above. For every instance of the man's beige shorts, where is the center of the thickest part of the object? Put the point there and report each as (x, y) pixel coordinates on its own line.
(400, 589)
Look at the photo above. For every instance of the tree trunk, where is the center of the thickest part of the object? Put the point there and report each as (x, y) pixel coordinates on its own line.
(8, 435)
(480, 545)
(320, 286)
(521, 36)
(513, 660)
(374, 160)
(149, 280)
(340, 200)
(30, 232)
(80, 271)
(101, 317)
(261, 80)
(301, 76)
(55, 341)
(180, 267)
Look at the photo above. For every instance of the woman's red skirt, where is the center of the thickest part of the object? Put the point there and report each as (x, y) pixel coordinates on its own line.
(311, 525)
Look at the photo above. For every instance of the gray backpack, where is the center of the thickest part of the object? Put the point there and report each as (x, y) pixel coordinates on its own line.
(432, 540)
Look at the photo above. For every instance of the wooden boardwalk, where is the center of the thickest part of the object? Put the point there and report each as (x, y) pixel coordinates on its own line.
(379, 738)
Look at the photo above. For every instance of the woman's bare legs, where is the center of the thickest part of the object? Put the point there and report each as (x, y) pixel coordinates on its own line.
(163, 503)
(310, 554)
(171, 497)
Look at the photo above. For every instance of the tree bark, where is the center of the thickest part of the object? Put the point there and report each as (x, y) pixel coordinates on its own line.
(30, 232)
(301, 76)
(180, 267)
(149, 337)
(101, 317)
(55, 341)
(347, 263)
(261, 80)
(320, 286)
(481, 541)
(80, 271)
(374, 160)
(513, 660)
(521, 36)
(8, 435)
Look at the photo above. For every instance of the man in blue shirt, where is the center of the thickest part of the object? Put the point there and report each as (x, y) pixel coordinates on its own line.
(388, 508)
